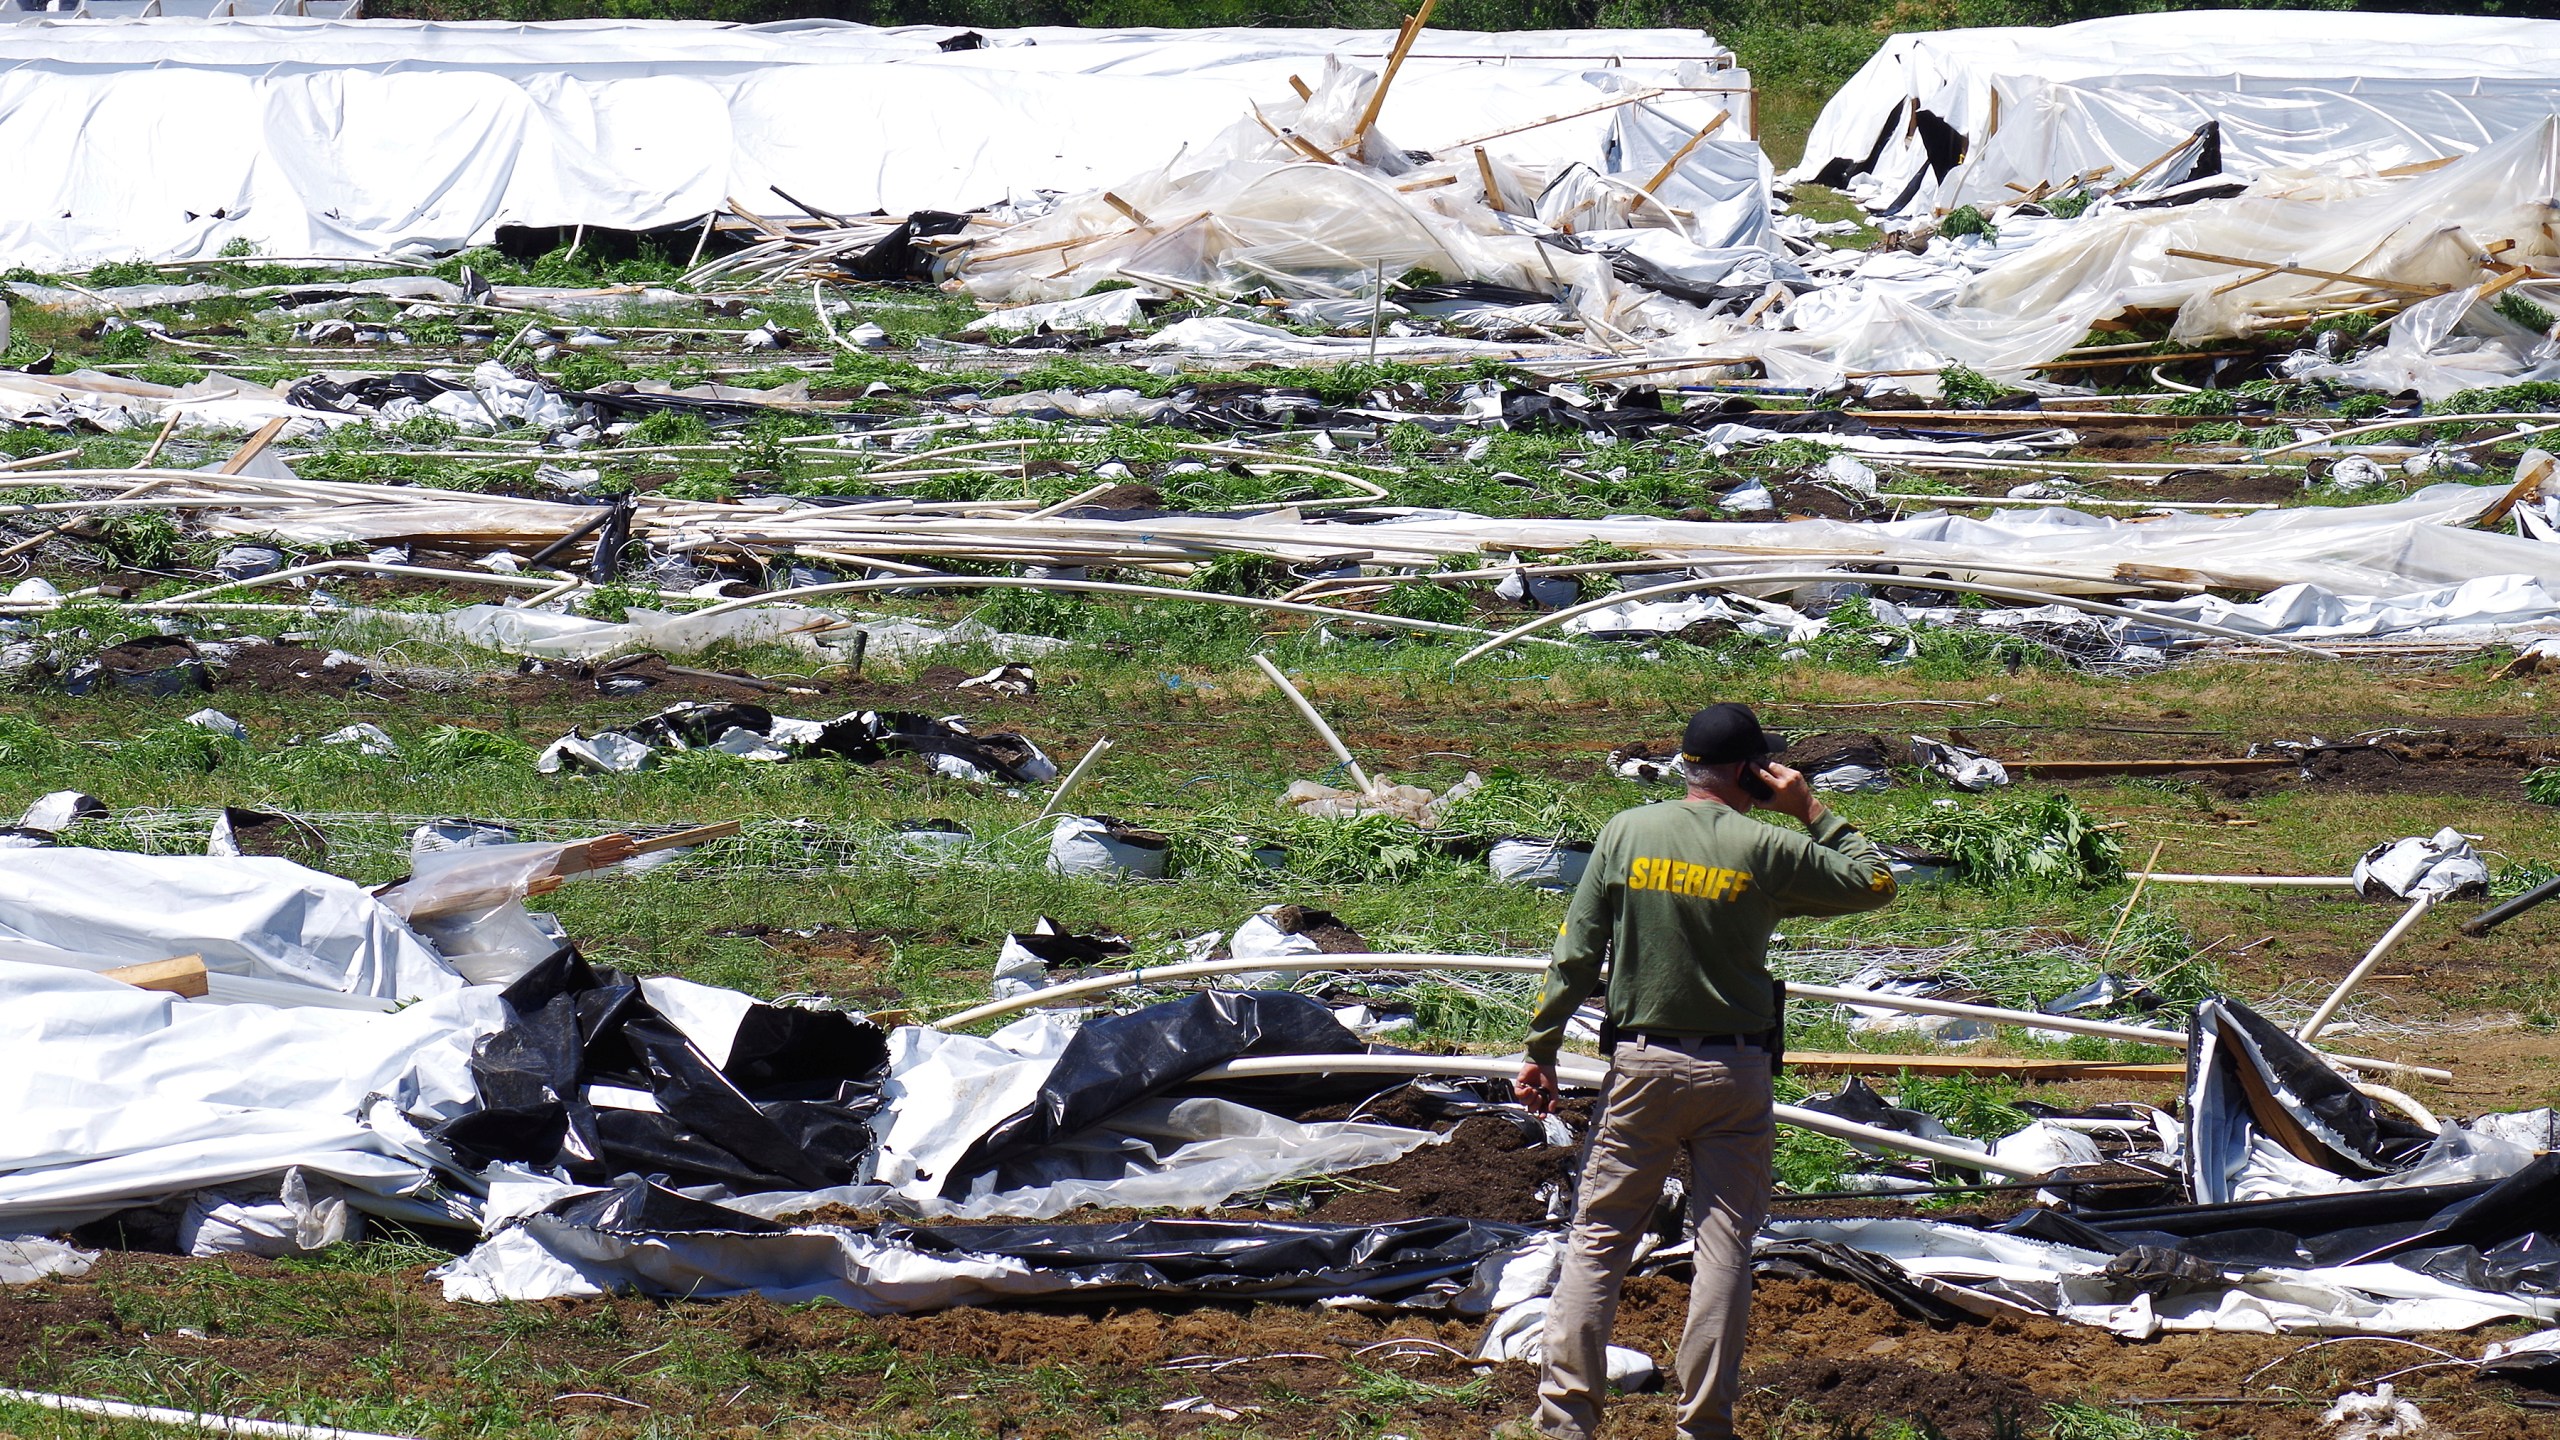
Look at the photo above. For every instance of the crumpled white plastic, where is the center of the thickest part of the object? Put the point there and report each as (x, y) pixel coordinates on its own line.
(2422, 867)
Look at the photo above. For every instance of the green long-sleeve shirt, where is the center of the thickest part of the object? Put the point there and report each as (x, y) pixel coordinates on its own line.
(1681, 898)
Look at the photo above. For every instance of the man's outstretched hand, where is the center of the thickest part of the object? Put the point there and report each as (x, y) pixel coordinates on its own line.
(1536, 1087)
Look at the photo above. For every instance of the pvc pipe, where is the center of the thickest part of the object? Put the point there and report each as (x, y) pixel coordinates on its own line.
(1332, 741)
(2425, 1117)
(1095, 587)
(2004, 592)
(1592, 1075)
(2319, 1020)
(192, 1419)
(1675, 562)
(2032, 1020)
(358, 567)
(2413, 422)
(2305, 882)
(1525, 965)
(1205, 969)
(1060, 796)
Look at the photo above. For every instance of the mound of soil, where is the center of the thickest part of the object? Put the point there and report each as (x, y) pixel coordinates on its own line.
(2215, 485)
(1829, 749)
(1487, 1169)
(1961, 1405)
(2445, 763)
(283, 669)
(1332, 937)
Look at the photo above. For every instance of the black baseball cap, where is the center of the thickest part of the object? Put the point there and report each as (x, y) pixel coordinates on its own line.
(1723, 734)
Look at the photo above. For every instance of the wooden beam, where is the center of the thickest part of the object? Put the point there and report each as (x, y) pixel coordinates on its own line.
(2529, 478)
(255, 445)
(1411, 31)
(1136, 216)
(1637, 98)
(184, 975)
(2089, 769)
(2341, 276)
(1484, 172)
(1694, 141)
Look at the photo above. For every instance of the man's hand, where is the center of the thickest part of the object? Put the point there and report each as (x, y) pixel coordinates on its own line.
(1536, 1087)
(1790, 793)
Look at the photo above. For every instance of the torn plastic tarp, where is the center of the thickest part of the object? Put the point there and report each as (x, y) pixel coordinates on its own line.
(25, 1258)
(600, 1075)
(755, 733)
(2422, 867)
(1027, 961)
(1991, 1273)
(2247, 1079)
(250, 918)
(1963, 768)
(1156, 1153)
(600, 1243)
(1117, 1061)
(119, 1096)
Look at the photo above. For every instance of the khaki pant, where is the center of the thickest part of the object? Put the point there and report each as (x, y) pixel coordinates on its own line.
(1715, 1102)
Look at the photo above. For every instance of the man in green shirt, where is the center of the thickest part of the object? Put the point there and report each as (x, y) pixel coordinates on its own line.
(1681, 899)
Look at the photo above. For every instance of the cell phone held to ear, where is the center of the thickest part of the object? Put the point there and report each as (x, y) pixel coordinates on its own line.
(1754, 780)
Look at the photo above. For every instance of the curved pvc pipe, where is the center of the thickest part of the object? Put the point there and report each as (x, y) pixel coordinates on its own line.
(1204, 969)
(1528, 965)
(191, 1419)
(2409, 423)
(1592, 1075)
(2004, 592)
(1096, 587)
(2425, 1117)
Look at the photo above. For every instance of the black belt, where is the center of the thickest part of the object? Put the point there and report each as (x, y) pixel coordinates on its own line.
(1700, 1042)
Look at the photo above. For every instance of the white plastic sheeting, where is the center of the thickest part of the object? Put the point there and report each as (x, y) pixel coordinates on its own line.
(33, 1257)
(119, 1096)
(1871, 126)
(556, 635)
(2051, 132)
(1255, 207)
(251, 917)
(2043, 288)
(1991, 1273)
(168, 138)
(2407, 548)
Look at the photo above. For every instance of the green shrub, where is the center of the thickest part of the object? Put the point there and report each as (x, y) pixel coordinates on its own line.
(1969, 389)
(1968, 220)
(2542, 787)
(144, 539)
(1421, 600)
(2002, 839)
(116, 273)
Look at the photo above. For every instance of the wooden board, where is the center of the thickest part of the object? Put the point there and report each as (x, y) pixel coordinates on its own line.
(183, 976)
(1855, 1063)
(2075, 769)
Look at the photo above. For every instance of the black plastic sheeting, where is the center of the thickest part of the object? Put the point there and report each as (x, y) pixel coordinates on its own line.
(2247, 1078)
(896, 256)
(1119, 1060)
(1831, 1260)
(1265, 1258)
(2488, 1236)
(865, 737)
(791, 1109)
